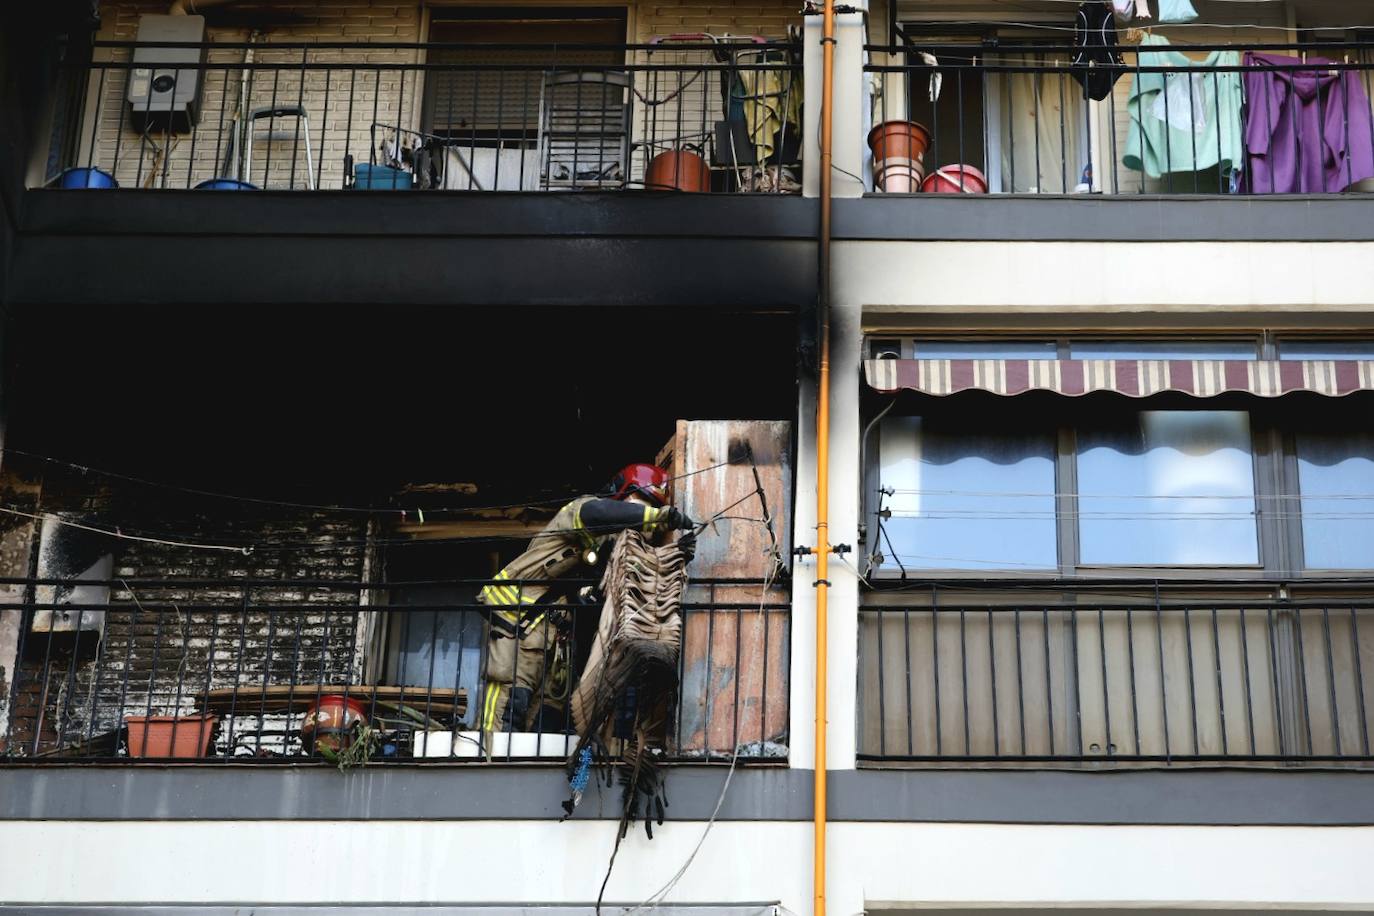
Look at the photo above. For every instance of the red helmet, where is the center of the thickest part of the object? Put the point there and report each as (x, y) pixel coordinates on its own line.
(645, 479)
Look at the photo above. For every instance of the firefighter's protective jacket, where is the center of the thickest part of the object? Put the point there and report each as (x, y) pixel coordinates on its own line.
(585, 524)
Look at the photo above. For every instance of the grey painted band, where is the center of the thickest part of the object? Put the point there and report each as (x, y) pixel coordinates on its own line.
(376, 793)
(237, 909)
(1178, 797)
(1098, 218)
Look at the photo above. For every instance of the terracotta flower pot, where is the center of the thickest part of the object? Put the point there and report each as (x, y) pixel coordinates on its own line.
(678, 171)
(170, 736)
(899, 140)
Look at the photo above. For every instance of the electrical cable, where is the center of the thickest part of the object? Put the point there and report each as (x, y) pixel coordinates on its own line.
(322, 507)
(121, 535)
(659, 895)
(654, 899)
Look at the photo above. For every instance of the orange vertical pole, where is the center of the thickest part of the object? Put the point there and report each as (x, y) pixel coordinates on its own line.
(823, 459)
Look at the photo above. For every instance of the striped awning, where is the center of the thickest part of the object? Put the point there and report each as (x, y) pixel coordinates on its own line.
(1135, 378)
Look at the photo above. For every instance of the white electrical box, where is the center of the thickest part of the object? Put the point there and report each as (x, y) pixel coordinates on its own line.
(165, 83)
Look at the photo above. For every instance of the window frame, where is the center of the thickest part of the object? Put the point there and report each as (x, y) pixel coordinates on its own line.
(1273, 448)
(490, 138)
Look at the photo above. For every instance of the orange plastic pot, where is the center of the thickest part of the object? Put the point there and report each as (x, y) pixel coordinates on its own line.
(898, 140)
(678, 170)
(955, 179)
(170, 736)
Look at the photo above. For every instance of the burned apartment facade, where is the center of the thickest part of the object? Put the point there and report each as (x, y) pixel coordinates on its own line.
(316, 313)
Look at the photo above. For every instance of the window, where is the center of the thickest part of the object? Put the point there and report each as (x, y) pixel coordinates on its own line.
(1162, 349)
(514, 118)
(1034, 484)
(1326, 349)
(1336, 480)
(968, 498)
(984, 349)
(1168, 488)
(495, 105)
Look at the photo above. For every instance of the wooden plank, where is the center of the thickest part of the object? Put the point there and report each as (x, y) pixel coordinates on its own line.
(276, 698)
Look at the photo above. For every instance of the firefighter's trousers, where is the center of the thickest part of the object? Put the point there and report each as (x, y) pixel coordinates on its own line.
(525, 676)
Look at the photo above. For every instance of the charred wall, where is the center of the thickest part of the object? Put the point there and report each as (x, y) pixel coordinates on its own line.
(154, 643)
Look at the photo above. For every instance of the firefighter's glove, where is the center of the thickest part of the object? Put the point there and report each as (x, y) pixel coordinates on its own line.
(677, 519)
(688, 545)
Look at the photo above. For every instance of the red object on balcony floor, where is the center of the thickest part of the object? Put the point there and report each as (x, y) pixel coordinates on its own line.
(955, 179)
(678, 171)
(170, 736)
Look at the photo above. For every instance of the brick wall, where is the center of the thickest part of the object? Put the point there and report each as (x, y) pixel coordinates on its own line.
(161, 645)
(343, 104)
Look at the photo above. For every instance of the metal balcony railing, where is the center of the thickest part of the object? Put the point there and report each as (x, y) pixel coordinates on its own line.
(690, 115)
(1012, 673)
(267, 670)
(1163, 119)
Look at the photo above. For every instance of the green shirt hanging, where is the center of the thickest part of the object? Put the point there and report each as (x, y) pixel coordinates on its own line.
(1184, 122)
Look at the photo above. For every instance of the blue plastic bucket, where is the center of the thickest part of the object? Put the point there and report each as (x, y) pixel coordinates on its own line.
(86, 178)
(381, 178)
(225, 184)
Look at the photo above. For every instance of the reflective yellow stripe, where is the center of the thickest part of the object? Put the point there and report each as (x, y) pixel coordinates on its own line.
(650, 517)
(588, 539)
(489, 707)
(495, 595)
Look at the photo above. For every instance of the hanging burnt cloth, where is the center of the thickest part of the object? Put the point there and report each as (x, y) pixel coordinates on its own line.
(627, 693)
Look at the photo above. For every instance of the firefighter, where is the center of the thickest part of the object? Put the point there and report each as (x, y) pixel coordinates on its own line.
(526, 661)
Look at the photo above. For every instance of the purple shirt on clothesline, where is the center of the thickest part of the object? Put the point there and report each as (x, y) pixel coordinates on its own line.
(1308, 130)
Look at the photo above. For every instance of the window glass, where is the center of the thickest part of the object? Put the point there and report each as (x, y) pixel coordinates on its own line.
(1168, 488)
(1163, 349)
(885, 349)
(1336, 479)
(984, 349)
(1326, 349)
(967, 498)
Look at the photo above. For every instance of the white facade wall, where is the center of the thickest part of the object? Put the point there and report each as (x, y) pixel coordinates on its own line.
(538, 862)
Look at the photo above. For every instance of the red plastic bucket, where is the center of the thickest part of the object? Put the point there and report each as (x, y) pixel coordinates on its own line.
(955, 179)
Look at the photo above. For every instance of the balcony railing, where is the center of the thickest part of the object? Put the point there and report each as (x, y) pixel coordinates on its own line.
(1013, 673)
(1171, 119)
(232, 669)
(685, 115)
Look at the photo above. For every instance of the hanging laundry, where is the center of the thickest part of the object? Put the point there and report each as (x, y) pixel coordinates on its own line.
(1097, 63)
(1184, 122)
(1126, 10)
(1307, 128)
(1176, 11)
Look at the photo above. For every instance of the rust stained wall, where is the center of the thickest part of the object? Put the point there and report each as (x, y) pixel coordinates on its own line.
(736, 656)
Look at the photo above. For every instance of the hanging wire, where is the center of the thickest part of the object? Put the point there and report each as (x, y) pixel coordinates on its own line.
(319, 507)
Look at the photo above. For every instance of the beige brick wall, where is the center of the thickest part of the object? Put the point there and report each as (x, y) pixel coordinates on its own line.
(343, 104)
(335, 128)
